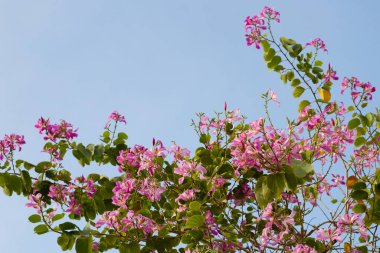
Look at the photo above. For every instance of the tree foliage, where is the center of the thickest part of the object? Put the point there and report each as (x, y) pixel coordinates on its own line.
(313, 186)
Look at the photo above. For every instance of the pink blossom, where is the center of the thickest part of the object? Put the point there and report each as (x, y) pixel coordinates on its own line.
(63, 130)
(74, 206)
(330, 75)
(328, 234)
(87, 185)
(338, 180)
(151, 189)
(185, 168)
(35, 202)
(9, 144)
(58, 192)
(318, 43)
(115, 116)
(344, 85)
(186, 195)
(210, 222)
(270, 13)
(302, 248)
(273, 96)
(122, 191)
(179, 152)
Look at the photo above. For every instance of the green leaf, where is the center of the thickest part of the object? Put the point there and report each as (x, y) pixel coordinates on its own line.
(64, 175)
(352, 124)
(359, 208)
(290, 75)
(359, 185)
(295, 82)
(132, 247)
(265, 44)
(298, 91)
(297, 48)
(41, 229)
(359, 195)
(26, 181)
(195, 206)
(34, 218)
(83, 245)
(302, 105)
(287, 42)
(301, 168)
(268, 56)
(58, 216)
(42, 167)
(274, 62)
(204, 138)
(195, 221)
(28, 166)
(359, 141)
(122, 135)
(284, 78)
(63, 241)
(318, 63)
(268, 188)
(68, 226)
(98, 153)
(14, 183)
(362, 249)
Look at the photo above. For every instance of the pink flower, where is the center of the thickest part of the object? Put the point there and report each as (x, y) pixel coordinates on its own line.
(35, 202)
(328, 234)
(344, 85)
(330, 75)
(9, 144)
(95, 246)
(87, 185)
(210, 222)
(122, 191)
(115, 116)
(63, 130)
(256, 24)
(151, 189)
(273, 96)
(58, 193)
(186, 195)
(318, 44)
(74, 206)
(270, 13)
(179, 152)
(301, 248)
(338, 180)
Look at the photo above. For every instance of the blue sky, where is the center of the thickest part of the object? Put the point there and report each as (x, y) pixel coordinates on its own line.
(156, 62)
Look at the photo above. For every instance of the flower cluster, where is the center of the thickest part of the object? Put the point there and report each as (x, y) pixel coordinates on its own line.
(332, 138)
(63, 130)
(366, 157)
(264, 148)
(282, 223)
(218, 125)
(142, 158)
(330, 75)
(249, 187)
(348, 223)
(256, 24)
(318, 43)
(360, 90)
(123, 222)
(116, 117)
(9, 144)
(66, 195)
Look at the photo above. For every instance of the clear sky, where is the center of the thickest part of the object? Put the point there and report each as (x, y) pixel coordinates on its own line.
(156, 62)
